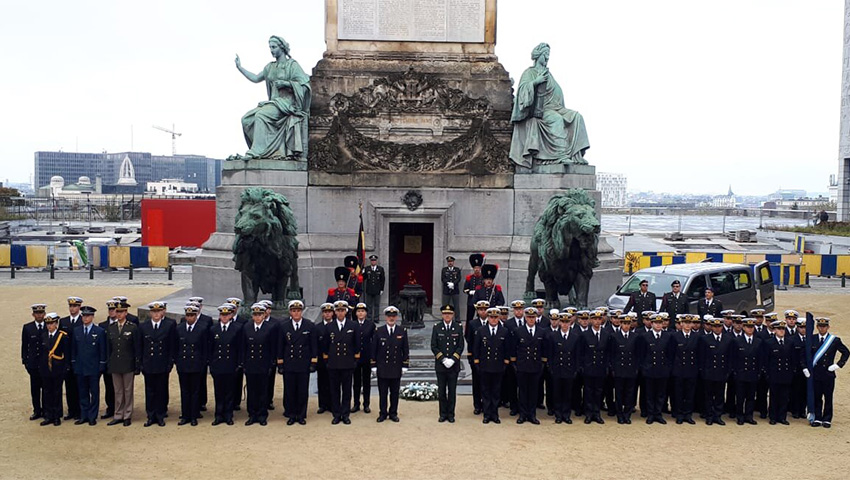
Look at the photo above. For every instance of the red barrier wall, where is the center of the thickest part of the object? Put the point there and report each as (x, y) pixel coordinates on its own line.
(176, 223)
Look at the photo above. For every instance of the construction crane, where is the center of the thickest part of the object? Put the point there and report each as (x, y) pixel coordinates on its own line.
(174, 136)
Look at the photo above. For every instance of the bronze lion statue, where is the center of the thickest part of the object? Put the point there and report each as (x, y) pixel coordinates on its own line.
(564, 248)
(266, 248)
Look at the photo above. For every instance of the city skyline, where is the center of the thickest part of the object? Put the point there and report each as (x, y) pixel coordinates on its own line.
(667, 101)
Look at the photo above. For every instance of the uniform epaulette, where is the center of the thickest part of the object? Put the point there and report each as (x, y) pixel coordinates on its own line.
(469, 277)
(499, 288)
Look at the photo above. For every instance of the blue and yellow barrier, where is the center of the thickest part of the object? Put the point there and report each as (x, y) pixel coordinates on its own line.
(23, 255)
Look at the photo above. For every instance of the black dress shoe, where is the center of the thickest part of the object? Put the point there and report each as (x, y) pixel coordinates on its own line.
(301, 421)
(149, 422)
(35, 416)
(68, 417)
(45, 422)
(229, 422)
(57, 422)
(477, 411)
(784, 422)
(381, 418)
(558, 420)
(114, 422)
(486, 420)
(335, 421)
(520, 420)
(263, 423)
(442, 419)
(291, 421)
(827, 425)
(107, 415)
(80, 422)
(587, 420)
(535, 421)
(366, 409)
(751, 421)
(161, 422)
(679, 421)
(451, 419)
(599, 420)
(740, 421)
(719, 421)
(568, 420)
(250, 421)
(194, 423)
(92, 422)
(217, 421)
(346, 421)
(128, 422)
(649, 420)
(628, 420)
(690, 421)
(321, 411)
(772, 422)
(661, 420)
(355, 409)
(182, 421)
(494, 420)
(709, 421)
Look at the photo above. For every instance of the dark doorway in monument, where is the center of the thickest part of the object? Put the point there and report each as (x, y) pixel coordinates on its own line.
(411, 258)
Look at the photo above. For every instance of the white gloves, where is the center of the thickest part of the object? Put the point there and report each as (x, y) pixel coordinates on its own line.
(451, 285)
(403, 370)
(833, 367)
(806, 372)
(374, 369)
(448, 362)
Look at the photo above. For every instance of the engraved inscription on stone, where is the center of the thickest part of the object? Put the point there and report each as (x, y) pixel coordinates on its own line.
(411, 20)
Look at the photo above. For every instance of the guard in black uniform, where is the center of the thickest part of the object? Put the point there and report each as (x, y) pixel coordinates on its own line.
(108, 385)
(563, 350)
(297, 357)
(323, 383)
(342, 291)
(341, 349)
(715, 364)
(709, 305)
(204, 321)
(625, 362)
(641, 300)
(447, 347)
(748, 363)
(491, 355)
(450, 280)
(390, 359)
(362, 373)
(472, 326)
(595, 366)
(374, 281)
(68, 324)
(190, 358)
(779, 365)
(656, 356)
(685, 368)
(225, 352)
(799, 388)
(509, 387)
(528, 356)
(53, 363)
(675, 302)
(159, 342)
(824, 347)
(259, 354)
(30, 353)
(473, 282)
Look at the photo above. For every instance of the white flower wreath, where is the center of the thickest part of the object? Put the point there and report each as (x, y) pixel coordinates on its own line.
(419, 391)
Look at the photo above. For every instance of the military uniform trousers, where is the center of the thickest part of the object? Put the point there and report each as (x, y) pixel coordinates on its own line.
(656, 395)
(156, 396)
(225, 386)
(388, 389)
(544, 389)
(36, 391)
(593, 386)
(761, 395)
(270, 389)
(714, 398)
(780, 394)
(578, 394)
(190, 394)
(237, 399)
(296, 394)
(799, 395)
(89, 394)
(258, 396)
(323, 385)
(730, 406)
(340, 379)
(72, 394)
(561, 395)
(509, 391)
(123, 385)
(202, 392)
(52, 406)
(528, 385)
(453, 300)
(447, 392)
(625, 392)
(824, 388)
(362, 383)
(745, 398)
(373, 303)
(684, 389)
(491, 393)
(476, 384)
(108, 394)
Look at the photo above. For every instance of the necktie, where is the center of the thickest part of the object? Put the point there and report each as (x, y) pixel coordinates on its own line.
(391, 331)
(626, 335)
(565, 336)
(531, 332)
(39, 328)
(156, 326)
(597, 337)
(780, 342)
(687, 336)
(225, 329)
(492, 331)
(297, 324)
(190, 329)
(717, 337)
(87, 331)
(256, 328)
(749, 341)
(51, 335)
(657, 336)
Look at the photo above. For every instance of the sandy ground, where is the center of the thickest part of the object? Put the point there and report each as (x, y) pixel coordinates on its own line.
(417, 447)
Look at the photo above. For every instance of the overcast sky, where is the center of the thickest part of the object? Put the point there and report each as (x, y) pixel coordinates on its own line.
(681, 96)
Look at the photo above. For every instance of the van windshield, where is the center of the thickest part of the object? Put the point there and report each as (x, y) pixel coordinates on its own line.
(659, 283)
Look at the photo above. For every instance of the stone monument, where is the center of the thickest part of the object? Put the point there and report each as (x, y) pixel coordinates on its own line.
(410, 115)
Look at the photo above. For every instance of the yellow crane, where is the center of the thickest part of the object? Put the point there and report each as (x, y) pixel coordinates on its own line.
(174, 136)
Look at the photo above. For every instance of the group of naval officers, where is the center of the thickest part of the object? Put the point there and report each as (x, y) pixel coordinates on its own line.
(521, 357)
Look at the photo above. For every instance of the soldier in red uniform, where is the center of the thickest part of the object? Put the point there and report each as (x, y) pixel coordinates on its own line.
(342, 291)
(354, 280)
(473, 282)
